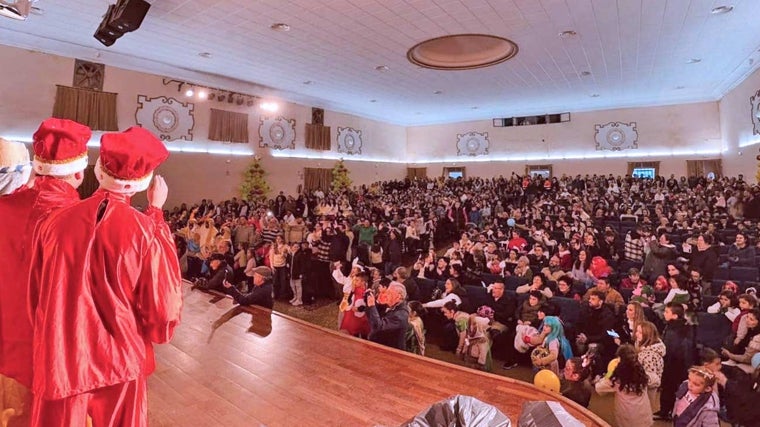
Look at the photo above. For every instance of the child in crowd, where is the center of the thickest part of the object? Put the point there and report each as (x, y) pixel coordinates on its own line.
(557, 347)
(415, 334)
(696, 404)
(629, 383)
(679, 356)
(728, 304)
(747, 302)
(575, 385)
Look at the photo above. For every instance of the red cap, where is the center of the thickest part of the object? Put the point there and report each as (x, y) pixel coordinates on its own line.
(128, 159)
(60, 147)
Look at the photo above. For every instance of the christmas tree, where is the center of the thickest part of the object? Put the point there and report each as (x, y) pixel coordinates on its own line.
(254, 187)
(340, 181)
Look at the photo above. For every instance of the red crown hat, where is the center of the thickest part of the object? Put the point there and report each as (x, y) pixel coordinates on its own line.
(60, 147)
(127, 160)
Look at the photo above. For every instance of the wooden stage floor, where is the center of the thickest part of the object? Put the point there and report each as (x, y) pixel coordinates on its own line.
(274, 370)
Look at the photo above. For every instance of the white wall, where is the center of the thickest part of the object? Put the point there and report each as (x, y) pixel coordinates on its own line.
(683, 129)
(29, 90)
(736, 122)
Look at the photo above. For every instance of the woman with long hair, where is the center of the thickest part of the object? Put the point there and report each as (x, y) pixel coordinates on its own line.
(553, 340)
(634, 316)
(651, 355)
(629, 383)
(278, 260)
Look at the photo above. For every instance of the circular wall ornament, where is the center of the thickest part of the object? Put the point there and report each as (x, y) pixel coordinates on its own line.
(755, 113)
(279, 133)
(472, 144)
(349, 140)
(616, 136)
(168, 118)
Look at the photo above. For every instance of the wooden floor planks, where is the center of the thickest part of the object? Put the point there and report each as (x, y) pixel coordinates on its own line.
(300, 374)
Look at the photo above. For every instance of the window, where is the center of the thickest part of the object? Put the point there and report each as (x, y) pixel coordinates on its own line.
(544, 171)
(647, 173)
(454, 173)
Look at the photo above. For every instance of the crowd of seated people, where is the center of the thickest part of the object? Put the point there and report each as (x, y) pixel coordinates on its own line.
(601, 254)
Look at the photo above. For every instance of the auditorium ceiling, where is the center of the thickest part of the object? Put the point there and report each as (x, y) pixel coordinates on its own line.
(351, 55)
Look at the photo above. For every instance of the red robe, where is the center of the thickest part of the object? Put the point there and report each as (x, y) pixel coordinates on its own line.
(100, 292)
(20, 212)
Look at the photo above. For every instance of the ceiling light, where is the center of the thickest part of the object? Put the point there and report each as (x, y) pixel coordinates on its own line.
(474, 108)
(15, 9)
(382, 68)
(373, 100)
(680, 87)
(189, 92)
(462, 52)
(567, 34)
(202, 94)
(438, 92)
(585, 73)
(594, 95)
(280, 27)
(308, 82)
(269, 106)
(694, 61)
(205, 55)
(720, 10)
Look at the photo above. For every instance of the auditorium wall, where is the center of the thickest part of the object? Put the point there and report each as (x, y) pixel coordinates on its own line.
(670, 134)
(29, 87)
(742, 144)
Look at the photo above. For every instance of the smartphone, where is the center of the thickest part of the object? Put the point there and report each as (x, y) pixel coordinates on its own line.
(613, 334)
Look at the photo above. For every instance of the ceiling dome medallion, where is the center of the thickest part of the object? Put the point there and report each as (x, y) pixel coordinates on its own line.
(462, 52)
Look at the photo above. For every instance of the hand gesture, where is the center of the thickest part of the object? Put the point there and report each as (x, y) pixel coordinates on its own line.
(158, 192)
(371, 299)
(226, 284)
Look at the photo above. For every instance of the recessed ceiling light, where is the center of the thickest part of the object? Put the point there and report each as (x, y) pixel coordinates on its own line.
(308, 82)
(373, 100)
(438, 92)
(585, 73)
(594, 95)
(418, 113)
(694, 61)
(382, 68)
(567, 34)
(680, 87)
(720, 10)
(280, 27)
(474, 108)
(205, 55)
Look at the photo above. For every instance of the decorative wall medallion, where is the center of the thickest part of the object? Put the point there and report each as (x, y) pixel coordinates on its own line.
(755, 102)
(279, 133)
(349, 141)
(616, 136)
(88, 75)
(472, 144)
(317, 116)
(168, 118)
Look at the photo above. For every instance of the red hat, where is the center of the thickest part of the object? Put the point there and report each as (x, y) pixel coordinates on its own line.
(127, 160)
(60, 147)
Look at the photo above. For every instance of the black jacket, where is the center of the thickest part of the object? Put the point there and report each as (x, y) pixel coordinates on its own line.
(680, 348)
(705, 261)
(595, 323)
(390, 329)
(504, 309)
(259, 295)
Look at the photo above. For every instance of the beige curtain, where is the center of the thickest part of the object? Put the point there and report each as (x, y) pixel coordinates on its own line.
(634, 165)
(89, 107)
(413, 173)
(317, 137)
(317, 178)
(694, 168)
(228, 126)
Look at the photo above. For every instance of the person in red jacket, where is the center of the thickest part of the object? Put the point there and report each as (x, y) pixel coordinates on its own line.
(104, 285)
(60, 157)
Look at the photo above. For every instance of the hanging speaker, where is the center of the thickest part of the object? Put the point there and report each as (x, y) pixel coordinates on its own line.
(129, 14)
(106, 33)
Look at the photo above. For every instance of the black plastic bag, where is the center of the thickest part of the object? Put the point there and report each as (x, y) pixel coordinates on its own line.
(459, 411)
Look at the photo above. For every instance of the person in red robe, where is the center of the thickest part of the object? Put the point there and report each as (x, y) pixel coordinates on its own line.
(105, 284)
(60, 157)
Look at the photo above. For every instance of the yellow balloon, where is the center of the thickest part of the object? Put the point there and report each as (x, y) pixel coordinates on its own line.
(611, 367)
(546, 380)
